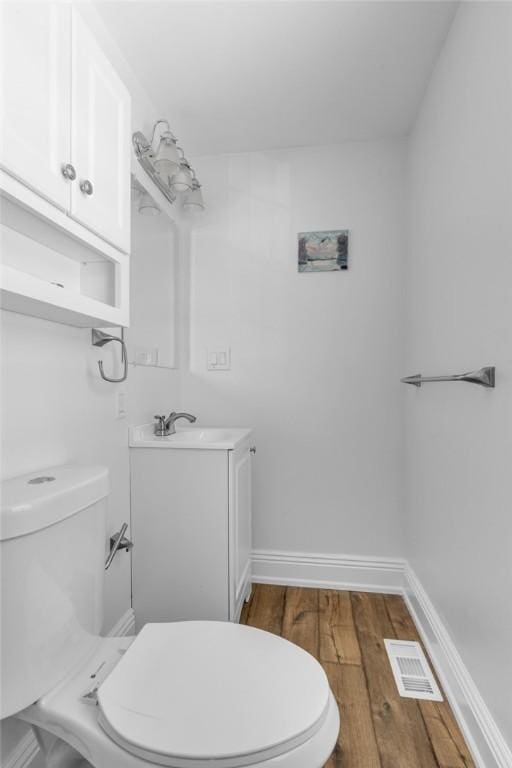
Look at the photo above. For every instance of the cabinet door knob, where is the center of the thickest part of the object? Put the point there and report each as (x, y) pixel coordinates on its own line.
(68, 171)
(86, 187)
(253, 449)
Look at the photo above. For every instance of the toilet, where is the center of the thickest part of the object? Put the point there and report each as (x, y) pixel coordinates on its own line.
(192, 694)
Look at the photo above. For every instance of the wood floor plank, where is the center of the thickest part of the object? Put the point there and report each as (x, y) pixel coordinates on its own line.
(356, 746)
(266, 607)
(300, 620)
(379, 728)
(445, 735)
(338, 636)
(401, 735)
(246, 607)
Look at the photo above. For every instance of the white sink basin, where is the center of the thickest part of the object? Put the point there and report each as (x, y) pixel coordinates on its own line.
(200, 436)
(212, 438)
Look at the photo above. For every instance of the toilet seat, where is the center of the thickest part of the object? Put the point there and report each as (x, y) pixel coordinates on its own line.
(212, 693)
(70, 712)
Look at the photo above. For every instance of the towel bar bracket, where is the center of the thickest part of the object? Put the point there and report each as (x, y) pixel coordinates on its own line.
(99, 339)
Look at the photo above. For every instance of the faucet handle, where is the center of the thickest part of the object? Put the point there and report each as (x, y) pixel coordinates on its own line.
(160, 428)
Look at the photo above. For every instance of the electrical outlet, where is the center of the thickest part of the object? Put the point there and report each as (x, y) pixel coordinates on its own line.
(121, 405)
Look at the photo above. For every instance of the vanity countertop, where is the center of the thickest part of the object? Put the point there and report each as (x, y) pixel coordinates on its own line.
(209, 438)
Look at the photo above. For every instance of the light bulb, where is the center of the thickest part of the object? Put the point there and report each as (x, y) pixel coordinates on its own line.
(147, 206)
(182, 179)
(194, 202)
(167, 159)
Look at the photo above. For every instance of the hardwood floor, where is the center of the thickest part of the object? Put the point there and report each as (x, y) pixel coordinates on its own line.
(344, 631)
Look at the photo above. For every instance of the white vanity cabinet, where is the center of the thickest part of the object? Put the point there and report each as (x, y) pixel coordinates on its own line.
(66, 127)
(240, 527)
(191, 525)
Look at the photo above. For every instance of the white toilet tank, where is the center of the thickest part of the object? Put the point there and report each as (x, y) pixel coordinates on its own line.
(52, 548)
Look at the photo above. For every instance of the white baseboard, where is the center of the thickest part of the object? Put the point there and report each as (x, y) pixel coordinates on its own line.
(27, 748)
(300, 569)
(23, 753)
(125, 626)
(480, 730)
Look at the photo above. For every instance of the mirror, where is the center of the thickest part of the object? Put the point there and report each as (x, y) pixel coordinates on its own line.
(151, 337)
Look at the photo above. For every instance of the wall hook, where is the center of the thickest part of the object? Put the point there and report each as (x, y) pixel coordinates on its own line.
(99, 339)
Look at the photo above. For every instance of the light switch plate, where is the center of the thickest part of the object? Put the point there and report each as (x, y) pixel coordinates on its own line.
(146, 356)
(219, 359)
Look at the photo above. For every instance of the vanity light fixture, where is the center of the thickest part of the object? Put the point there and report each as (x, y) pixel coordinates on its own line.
(165, 163)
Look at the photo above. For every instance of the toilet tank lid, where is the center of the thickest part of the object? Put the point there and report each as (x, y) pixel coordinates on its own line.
(36, 500)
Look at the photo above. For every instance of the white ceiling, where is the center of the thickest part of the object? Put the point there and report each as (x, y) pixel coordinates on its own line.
(237, 76)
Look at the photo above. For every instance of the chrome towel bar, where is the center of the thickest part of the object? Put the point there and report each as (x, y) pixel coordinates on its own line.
(485, 377)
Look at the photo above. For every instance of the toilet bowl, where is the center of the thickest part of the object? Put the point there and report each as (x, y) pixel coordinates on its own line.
(196, 694)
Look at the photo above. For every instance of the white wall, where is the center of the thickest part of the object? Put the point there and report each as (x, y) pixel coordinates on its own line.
(316, 358)
(459, 292)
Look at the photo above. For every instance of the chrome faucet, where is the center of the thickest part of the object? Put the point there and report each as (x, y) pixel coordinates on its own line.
(167, 426)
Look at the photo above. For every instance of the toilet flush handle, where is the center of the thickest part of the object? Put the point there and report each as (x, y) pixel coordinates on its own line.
(118, 541)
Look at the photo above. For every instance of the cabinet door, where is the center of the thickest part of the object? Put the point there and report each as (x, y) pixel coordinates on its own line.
(35, 88)
(240, 528)
(100, 143)
(179, 503)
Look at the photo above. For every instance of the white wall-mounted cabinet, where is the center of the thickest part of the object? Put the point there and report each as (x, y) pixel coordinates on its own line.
(65, 162)
(48, 269)
(66, 117)
(191, 527)
(36, 96)
(100, 140)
